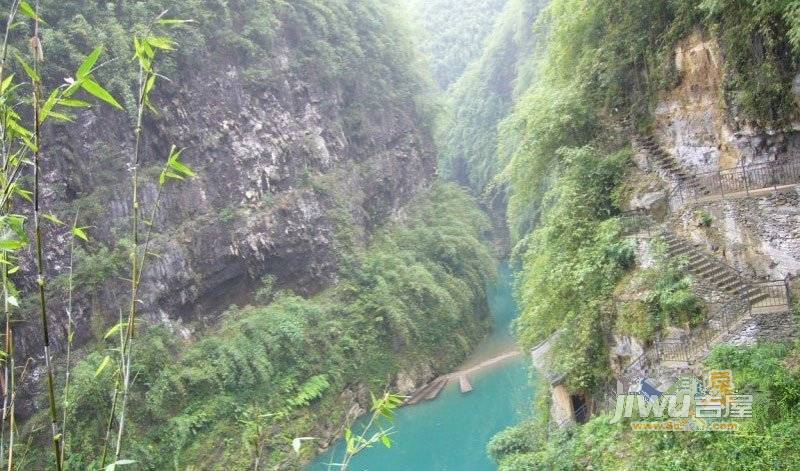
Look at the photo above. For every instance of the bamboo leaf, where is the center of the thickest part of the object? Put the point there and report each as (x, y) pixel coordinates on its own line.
(148, 87)
(53, 219)
(6, 83)
(12, 300)
(141, 53)
(114, 330)
(11, 244)
(14, 126)
(159, 42)
(48, 105)
(387, 442)
(27, 10)
(73, 103)
(21, 192)
(98, 91)
(28, 69)
(166, 175)
(16, 223)
(172, 21)
(86, 68)
(114, 465)
(80, 233)
(59, 116)
(149, 52)
(103, 365)
(182, 169)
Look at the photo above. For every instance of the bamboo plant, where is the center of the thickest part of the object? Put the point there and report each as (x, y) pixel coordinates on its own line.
(22, 146)
(146, 49)
(377, 430)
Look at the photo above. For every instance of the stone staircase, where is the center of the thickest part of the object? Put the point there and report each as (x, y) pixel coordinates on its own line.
(667, 163)
(681, 353)
(710, 269)
(675, 357)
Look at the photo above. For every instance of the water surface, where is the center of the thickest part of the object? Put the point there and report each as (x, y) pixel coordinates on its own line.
(451, 432)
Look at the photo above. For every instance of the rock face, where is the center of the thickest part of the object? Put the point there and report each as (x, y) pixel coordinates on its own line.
(281, 171)
(775, 327)
(700, 131)
(757, 234)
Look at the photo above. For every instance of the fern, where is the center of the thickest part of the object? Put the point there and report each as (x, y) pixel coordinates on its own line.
(310, 391)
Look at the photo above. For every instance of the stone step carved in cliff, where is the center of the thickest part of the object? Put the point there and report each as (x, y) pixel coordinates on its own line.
(711, 270)
(667, 163)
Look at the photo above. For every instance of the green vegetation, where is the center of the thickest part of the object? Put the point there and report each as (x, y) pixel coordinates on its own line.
(572, 263)
(656, 298)
(378, 429)
(484, 95)
(613, 57)
(558, 154)
(28, 106)
(238, 396)
(453, 33)
(582, 67)
(280, 369)
(356, 46)
(768, 441)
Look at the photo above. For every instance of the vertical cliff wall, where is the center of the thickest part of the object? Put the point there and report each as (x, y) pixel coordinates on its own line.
(305, 122)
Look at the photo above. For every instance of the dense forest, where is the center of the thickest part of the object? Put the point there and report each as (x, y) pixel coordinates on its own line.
(287, 358)
(452, 34)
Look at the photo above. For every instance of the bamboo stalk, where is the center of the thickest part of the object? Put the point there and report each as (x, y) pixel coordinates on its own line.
(146, 77)
(123, 379)
(8, 383)
(8, 366)
(67, 373)
(110, 422)
(12, 13)
(40, 275)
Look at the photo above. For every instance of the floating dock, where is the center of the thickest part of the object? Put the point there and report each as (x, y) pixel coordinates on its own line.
(463, 382)
(428, 392)
(438, 385)
(432, 390)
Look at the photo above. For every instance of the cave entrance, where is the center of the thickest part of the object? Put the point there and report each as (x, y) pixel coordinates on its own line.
(580, 408)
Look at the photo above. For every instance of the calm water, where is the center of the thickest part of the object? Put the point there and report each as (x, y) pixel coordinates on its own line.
(451, 432)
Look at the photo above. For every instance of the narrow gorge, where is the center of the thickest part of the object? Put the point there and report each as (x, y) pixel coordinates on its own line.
(446, 235)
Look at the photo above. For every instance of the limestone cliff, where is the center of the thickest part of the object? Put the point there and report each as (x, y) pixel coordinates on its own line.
(758, 231)
(284, 167)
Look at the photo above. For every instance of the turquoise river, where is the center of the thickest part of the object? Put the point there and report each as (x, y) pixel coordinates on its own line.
(451, 432)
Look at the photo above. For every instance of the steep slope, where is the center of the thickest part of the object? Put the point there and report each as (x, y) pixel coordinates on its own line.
(452, 33)
(610, 74)
(294, 140)
(484, 95)
(405, 311)
(606, 72)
